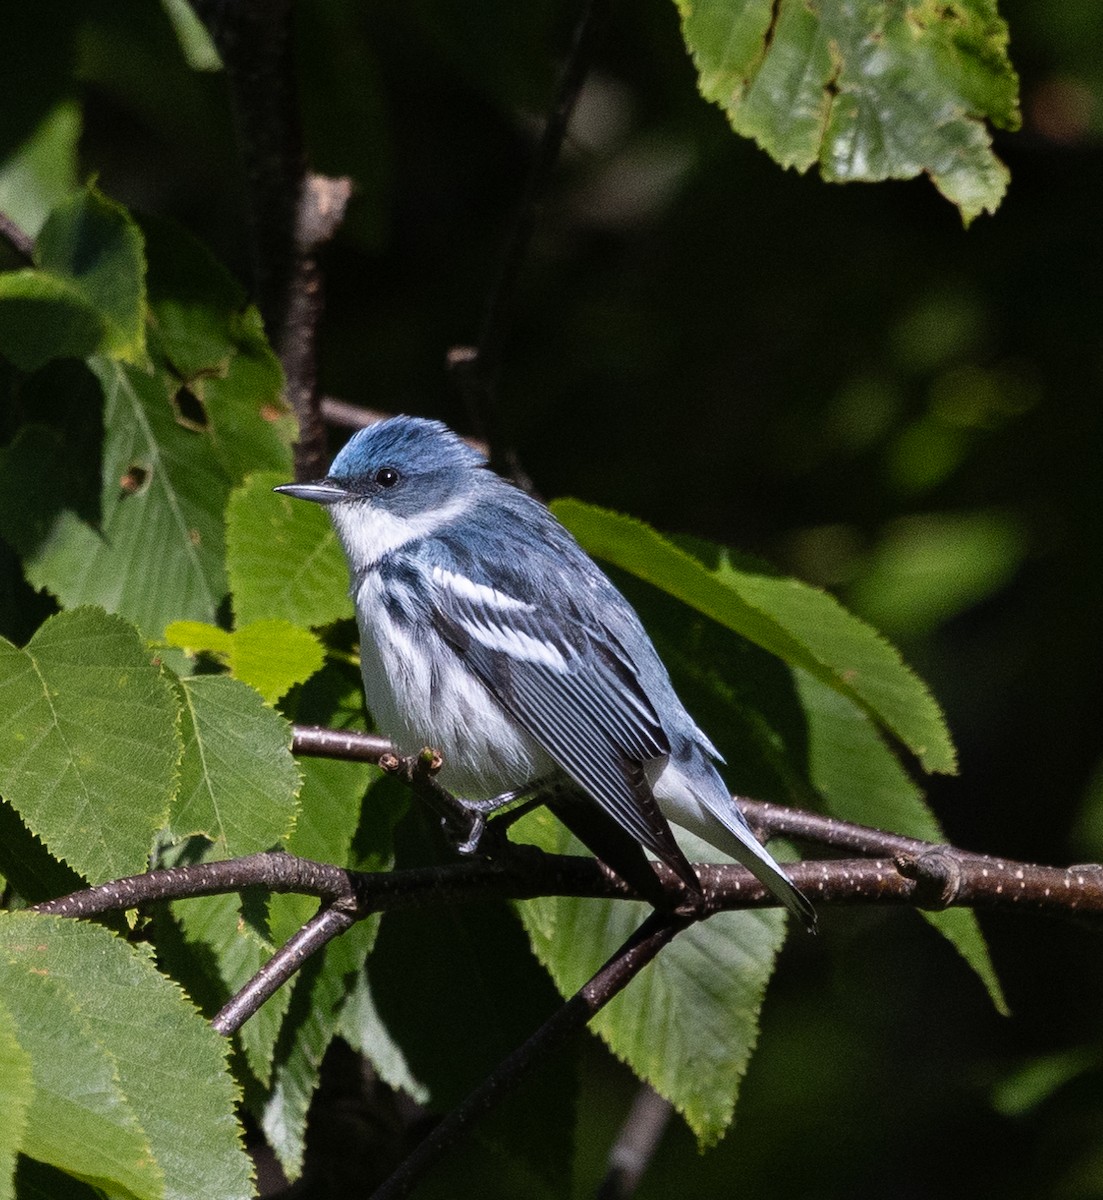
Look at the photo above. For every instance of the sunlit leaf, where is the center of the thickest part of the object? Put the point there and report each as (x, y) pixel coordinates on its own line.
(283, 558)
(238, 780)
(802, 625)
(16, 1094)
(131, 1085)
(88, 741)
(870, 92)
(271, 656)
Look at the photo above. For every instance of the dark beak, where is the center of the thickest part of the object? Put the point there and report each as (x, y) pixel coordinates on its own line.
(321, 491)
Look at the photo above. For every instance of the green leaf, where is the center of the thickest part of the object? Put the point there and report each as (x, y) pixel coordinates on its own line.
(131, 1084)
(226, 377)
(860, 780)
(271, 656)
(88, 741)
(43, 170)
(156, 554)
(43, 317)
(870, 92)
(195, 41)
(800, 624)
(238, 779)
(283, 557)
(16, 1094)
(80, 1119)
(689, 1022)
(361, 1025)
(91, 242)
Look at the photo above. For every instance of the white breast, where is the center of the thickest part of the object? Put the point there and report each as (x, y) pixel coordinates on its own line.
(420, 694)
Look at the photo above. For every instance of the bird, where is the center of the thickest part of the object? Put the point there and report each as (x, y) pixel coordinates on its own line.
(488, 634)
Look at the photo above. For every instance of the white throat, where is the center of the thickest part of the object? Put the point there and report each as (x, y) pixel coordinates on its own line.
(369, 533)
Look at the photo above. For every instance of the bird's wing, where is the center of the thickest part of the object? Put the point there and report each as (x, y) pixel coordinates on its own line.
(573, 689)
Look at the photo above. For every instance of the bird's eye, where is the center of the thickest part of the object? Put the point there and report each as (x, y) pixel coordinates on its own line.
(386, 477)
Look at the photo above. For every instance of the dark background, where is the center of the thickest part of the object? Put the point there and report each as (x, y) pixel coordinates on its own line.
(842, 380)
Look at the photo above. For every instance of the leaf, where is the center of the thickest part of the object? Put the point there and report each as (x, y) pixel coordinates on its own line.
(92, 243)
(195, 41)
(226, 377)
(283, 557)
(870, 92)
(365, 1031)
(131, 1083)
(860, 780)
(238, 779)
(927, 569)
(42, 317)
(800, 624)
(270, 656)
(88, 741)
(157, 552)
(80, 1119)
(43, 170)
(689, 1022)
(16, 1094)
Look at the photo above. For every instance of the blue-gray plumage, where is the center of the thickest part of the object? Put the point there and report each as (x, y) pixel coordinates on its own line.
(490, 635)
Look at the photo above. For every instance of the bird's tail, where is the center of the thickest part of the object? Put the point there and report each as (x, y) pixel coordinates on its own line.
(741, 843)
(698, 800)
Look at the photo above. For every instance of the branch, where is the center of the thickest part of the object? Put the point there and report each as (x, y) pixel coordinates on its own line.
(569, 1018)
(315, 935)
(292, 212)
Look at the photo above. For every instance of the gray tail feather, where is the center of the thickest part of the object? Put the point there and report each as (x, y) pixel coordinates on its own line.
(745, 848)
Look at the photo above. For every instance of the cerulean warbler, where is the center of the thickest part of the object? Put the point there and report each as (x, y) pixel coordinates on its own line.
(489, 634)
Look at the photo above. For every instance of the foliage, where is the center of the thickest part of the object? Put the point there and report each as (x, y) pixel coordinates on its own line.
(169, 616)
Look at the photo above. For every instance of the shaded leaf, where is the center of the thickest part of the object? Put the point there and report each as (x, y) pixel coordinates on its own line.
(234, 931)
(283, 557)
(331, 798)
(43, 317)
(157, 553)
(88, 741)
(226, 377)
(802, 625)
(43, 170)
(871, 92)
(92, 243)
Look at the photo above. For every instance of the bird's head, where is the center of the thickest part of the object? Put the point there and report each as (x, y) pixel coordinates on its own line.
(392, 482)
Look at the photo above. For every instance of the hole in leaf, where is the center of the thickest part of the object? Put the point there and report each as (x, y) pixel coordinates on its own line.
(134, 480)
(190, 410)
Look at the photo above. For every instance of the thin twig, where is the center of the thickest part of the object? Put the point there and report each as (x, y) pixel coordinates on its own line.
(477, 367)
(315, 935)
(571, 1017)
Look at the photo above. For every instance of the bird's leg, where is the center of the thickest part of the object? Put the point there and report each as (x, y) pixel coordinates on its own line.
(481, 809)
